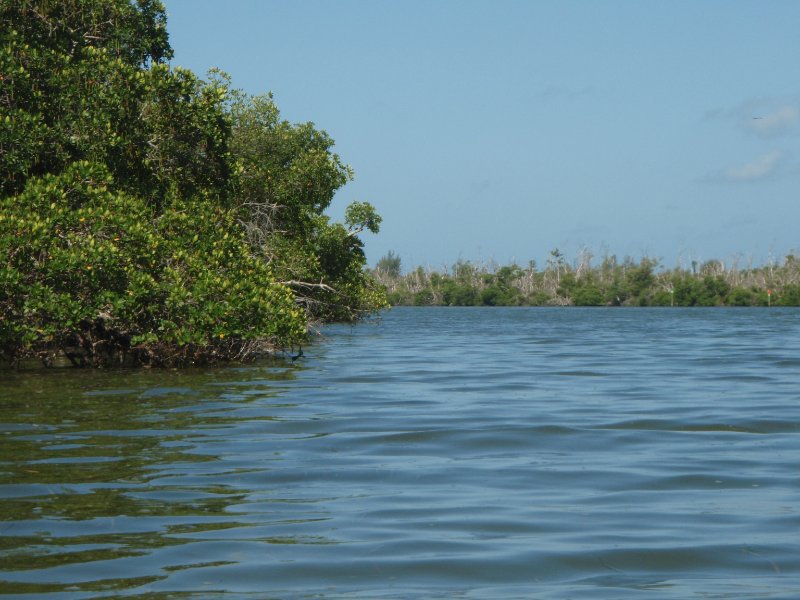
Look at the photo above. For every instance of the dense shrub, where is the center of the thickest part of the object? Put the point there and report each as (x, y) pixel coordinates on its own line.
(151, 217)
(97, 274)
(611, 283)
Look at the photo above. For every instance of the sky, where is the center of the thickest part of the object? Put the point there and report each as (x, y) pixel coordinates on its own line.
(499, 130)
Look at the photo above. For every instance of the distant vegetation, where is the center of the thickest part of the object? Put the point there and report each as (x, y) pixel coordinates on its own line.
(610, 282)
(150, 217)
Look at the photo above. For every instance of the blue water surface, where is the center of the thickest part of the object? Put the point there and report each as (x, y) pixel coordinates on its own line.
(431, 453)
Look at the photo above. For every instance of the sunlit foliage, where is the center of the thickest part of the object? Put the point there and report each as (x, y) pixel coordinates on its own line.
(130, 191)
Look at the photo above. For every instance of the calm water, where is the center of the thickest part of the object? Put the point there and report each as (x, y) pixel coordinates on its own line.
(437, 453)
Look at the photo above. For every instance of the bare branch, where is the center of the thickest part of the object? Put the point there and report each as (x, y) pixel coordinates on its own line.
(310, 286)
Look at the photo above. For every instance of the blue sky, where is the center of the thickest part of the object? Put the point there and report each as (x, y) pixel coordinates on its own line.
(500, 130)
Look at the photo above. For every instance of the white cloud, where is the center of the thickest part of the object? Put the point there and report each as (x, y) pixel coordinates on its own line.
(779, 120)
(764, 117)
(760, 168)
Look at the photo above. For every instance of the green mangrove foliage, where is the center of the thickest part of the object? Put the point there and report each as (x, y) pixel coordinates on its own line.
(287, 176)
(137, 222)
(609, 283)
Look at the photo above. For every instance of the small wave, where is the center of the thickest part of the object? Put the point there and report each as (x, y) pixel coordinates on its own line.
(756, 427)
(579, 373)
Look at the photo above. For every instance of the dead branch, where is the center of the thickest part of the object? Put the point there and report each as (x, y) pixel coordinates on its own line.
(308, 285)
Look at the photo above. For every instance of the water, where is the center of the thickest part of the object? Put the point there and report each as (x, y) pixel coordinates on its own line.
(438, 453)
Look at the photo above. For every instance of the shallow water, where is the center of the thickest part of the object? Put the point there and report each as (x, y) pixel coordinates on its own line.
(436, 453)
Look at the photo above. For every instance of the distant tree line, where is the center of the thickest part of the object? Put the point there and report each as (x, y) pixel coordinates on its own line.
(610, 282)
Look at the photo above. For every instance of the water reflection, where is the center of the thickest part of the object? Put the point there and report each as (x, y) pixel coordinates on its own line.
(443, 453)
(106, 468)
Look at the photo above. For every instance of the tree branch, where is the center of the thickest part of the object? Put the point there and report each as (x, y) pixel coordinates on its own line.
(310, 286)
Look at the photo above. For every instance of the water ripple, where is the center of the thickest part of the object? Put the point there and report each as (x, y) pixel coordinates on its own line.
(436, 453)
